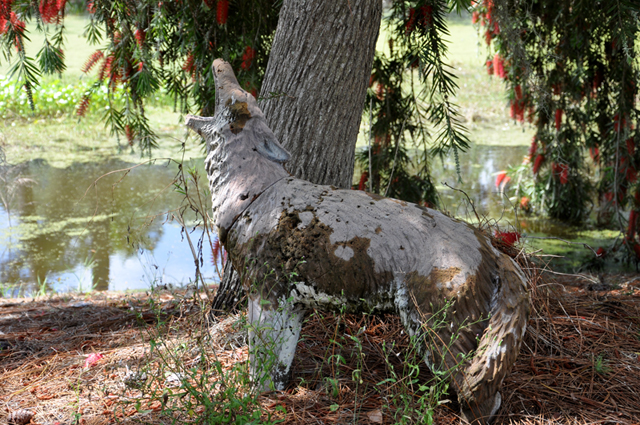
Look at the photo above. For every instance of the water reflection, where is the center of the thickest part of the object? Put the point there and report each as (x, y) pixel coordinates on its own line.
(62, 230)
(478, 167)
(117, 235)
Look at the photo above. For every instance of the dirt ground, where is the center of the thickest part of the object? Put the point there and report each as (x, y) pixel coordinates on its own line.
(85, 359)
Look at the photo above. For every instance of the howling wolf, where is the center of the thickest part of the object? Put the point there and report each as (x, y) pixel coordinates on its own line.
(300, 246)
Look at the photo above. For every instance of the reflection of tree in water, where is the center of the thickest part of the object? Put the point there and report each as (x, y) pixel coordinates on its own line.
(61, 228)
(477, 166)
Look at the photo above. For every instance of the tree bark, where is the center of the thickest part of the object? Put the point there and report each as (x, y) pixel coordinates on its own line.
(314, 89)
(321, 62)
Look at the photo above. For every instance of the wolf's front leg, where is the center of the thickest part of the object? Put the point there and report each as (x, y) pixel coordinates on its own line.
(273, 337)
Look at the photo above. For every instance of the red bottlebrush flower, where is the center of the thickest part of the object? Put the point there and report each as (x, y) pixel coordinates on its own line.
(564, 174)
(518, 92)
(130, 133)
(91, 8)
(608, 196)
(140, 36)
(216, 251)
(93, 59)
(83, 106)
(49, 10)
(5, 7)
(517, 105)
(559, 113)
(508, 238)
(631, 146)
(502, 179)
(92, 360)
(427, 15)
(600, 252)
(363, 181)
(498, 66)
(533, 148)
(189, 65)
(531, 114)
(636, 249)
(487, 37)
(247, 57)
(411, 23)
(111, 72)
(475, 17)
(632, 174)
(140, 66)
(372, 79)
(525, 203)
(616, 122)
(490, 69)
(105, 69)
(496, 28)
(594, 153)
(18, 25)
(556, 89)
(520, 112)
(222, 12)
(380, 91)
(538, 163)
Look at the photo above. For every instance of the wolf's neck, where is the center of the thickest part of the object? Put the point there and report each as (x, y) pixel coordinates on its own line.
(237, 176)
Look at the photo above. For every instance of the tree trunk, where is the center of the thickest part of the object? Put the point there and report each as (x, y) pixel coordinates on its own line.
(315, 87)
(320, 63)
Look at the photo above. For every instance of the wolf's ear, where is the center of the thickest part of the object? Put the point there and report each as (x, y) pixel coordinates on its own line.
(271, 149)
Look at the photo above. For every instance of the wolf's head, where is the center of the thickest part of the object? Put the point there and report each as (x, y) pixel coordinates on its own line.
(243, 155)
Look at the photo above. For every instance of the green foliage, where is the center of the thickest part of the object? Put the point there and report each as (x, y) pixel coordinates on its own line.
(411, 86)
(601, 365)
(570, 68)
(146, 45)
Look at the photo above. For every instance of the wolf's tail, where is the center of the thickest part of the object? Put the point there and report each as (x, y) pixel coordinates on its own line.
(498, 346)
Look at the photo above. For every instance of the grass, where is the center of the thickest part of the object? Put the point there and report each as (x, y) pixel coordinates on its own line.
(65, 140)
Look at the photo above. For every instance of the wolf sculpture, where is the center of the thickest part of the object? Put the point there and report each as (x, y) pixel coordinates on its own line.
(300, 246)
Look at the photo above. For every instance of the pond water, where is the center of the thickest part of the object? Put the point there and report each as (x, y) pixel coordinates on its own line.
(59, 231)
(63, 229)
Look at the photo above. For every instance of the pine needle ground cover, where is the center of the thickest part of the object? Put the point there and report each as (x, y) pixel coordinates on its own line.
(159, 358)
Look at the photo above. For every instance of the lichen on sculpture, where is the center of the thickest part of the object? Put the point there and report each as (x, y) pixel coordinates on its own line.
(300, 246)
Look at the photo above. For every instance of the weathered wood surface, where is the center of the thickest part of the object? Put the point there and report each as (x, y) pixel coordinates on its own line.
(299, 245)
